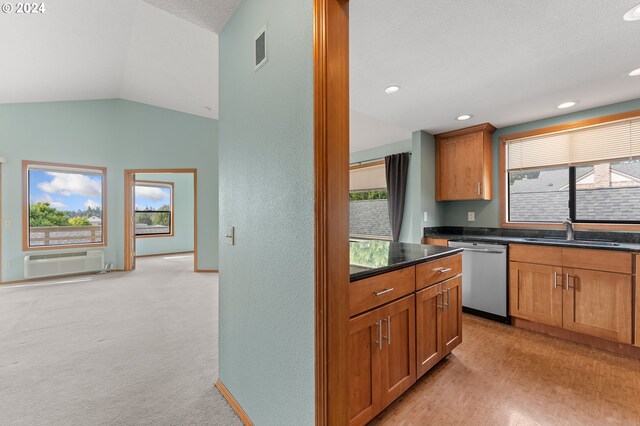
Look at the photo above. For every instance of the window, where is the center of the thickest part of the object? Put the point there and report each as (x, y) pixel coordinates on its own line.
(154, 209)
(63, 205)
(368, 210)
(590, 174)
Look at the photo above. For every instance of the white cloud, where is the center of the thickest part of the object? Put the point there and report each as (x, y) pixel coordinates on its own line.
(53, 203)
(90, 204)
(151, 193)
(71, 184)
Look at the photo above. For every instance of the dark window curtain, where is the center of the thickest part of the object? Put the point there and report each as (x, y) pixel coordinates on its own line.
(396, 167)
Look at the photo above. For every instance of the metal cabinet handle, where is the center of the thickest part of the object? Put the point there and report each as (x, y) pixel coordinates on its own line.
(478, 188)
(555, 279)
(567, 278)
(379, 341)
(388, 336)
(445, 305)
(440, 306)
(574, 282)
(380, 293)
(443, 270)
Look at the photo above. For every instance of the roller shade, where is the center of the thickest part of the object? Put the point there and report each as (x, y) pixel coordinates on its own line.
(605, 142)
(367, 178)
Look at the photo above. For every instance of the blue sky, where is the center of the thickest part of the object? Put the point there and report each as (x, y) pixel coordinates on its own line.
(152, 197)
(66, 191)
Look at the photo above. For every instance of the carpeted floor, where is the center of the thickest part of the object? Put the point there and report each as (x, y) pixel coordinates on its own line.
(135, 348)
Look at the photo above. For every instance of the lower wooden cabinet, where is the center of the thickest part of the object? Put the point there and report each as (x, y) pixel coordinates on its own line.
(597, 303)
(438, 322)
(452, 313)
(382, 358)
(535, 292)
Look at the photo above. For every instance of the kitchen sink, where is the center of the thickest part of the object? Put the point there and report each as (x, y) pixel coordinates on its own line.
(570, 242)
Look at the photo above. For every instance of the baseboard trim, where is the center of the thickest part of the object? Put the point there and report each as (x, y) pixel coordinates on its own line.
(165, 254)
(233, 403)
(583, 339)
(207, 271)
(55, 277)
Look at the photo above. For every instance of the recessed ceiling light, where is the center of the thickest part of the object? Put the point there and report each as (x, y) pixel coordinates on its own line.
(635, 72)
(464, 117)
(567, 104)
(633, 14)
(392, 89)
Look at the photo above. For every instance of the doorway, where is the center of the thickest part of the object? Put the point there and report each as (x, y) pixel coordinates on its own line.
(152, 217)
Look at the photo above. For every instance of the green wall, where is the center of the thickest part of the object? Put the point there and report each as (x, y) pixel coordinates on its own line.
(182, 238)
(454, 213)
(116, 134)
(266, 191)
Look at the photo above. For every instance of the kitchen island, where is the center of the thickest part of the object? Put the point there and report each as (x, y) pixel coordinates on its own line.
(405, 304)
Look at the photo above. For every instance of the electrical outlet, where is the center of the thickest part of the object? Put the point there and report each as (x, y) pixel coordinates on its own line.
(229, 236)
(471, 216)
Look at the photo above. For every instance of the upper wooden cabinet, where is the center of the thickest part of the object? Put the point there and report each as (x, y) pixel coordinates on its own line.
(463, 164)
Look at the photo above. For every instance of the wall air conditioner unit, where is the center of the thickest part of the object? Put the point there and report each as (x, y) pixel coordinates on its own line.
(73, 262)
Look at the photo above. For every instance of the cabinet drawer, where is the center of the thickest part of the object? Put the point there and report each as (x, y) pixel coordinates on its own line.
(535, 254)
(429, 273)
(598, 260)
(375, 291)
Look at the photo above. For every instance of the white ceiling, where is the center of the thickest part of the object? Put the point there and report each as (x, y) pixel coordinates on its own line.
(504, 61)
(128, 49)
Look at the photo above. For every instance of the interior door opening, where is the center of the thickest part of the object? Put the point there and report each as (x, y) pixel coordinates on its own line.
(160, 215)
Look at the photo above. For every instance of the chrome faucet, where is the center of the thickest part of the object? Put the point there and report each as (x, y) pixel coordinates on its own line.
(569, 223)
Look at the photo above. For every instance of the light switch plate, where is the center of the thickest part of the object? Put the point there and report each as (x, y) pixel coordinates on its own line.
(229, 236)
(426, 217)
(471, 216)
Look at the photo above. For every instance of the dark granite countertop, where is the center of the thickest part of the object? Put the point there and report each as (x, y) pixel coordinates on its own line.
(622, 241)
(373, 257)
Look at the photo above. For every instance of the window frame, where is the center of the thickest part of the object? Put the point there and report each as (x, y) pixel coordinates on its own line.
(155, 183)
(362, 165)
(26, 164)
(580, 225)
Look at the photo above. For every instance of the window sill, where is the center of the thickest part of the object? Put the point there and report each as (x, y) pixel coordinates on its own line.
(63, 247)
(156, 236)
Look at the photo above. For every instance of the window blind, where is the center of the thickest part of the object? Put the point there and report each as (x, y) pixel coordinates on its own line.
(588, 145)
(368, 178)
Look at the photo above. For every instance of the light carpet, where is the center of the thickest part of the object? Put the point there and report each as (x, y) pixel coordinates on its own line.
(136, 348)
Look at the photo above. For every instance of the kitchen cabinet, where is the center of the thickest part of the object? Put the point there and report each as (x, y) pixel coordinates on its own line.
(463, 164)
(382, 355)
(443, 242)
(534, 293)
(637, 295)
(438, 322)
(580, 290)
(598, 304)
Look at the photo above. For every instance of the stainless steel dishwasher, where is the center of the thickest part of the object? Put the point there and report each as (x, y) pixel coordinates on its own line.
(484, 279)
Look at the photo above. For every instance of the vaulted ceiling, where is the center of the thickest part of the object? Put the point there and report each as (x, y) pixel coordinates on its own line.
(158, 52)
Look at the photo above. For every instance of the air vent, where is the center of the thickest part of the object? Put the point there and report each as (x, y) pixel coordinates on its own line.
(261, 48)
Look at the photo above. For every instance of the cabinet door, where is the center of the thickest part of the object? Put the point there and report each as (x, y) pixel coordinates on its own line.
(429, 342)
(461, 159)
(364, 368)
(398, 355)
(599, 304)
(452, 314)
(535, 292)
